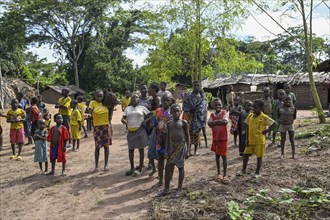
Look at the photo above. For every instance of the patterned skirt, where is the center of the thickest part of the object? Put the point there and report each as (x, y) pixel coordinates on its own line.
(102, 136)
(176, 153)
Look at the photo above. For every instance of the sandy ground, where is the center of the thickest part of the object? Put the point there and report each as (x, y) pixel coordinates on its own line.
(25, 194)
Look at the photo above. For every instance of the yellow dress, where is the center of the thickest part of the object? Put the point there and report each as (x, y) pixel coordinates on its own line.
(74, 124)
(82, 108)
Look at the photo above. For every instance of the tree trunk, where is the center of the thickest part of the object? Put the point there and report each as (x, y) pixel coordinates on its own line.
(309, 58)
(76, 76)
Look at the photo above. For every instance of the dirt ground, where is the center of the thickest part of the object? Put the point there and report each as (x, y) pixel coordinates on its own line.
(25, 194)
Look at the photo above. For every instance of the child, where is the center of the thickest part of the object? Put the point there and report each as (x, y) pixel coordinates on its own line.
(287, 89)
(268, 101)
(41, 105)
(63, 104)
(75, 125)
(242, 127)
(58, 138)
(47, 117)
(287, 114)
(234, 113)
(35, 115)
(275, 106)
(40, 141)
(257, 128)
(126, 100)
(218, 122)
(27, 125)
(230, 96)
(82, 109)
(89, 120)
(162, 117)
(135, 117)
(176, 148)
(16, 117)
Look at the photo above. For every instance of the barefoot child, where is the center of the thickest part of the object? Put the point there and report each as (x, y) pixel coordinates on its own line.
(58, 138)
(82, 109)
(176, 148)
(35, 115)
(276, 105)
(242, 127)
(16, 116)
(162, 117)
(218, 122)
(287, 114)
(135, 116)
(234, 113)
(63, 104)
(75, 125)
(40, 141)
(48, 118)
(257, 129)
(268, 102)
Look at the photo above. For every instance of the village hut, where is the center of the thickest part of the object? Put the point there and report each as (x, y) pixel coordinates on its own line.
(250, 86)
(53, 92)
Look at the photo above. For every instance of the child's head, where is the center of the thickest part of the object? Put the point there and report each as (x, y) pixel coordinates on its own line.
(41, 124)
(128, 93)
(65, 92)
(231, 88)
(163, 86)
(266, 92)
(19, 96)
(280, 94)
(98, 95)
(237, 100)
(80, 99)
(248, 105)
(153, 89)
(73, 104)
(287, 88)
(287, 101)
(58, 119)
(217, 104)
(258, 105)
(196, 86)
(34, 100)
(166, 101)
(135, 99)
(39, 98)
(176, 111)
(14, 104)
(143, 90)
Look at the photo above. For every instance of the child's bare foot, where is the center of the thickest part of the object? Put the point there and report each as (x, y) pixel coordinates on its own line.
(51, 173)
(63, 174)
(163, 193)
(171, 183)
(95, 170)
(178, 193)
(106, 169)
(152, 173)
(160, 184)
(196, 153)
(225, 180)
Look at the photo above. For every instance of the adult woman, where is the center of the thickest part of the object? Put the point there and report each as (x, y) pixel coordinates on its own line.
(135, 117)
(102, 128)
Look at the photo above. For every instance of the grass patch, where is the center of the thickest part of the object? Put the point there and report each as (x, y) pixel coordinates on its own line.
(323, 131)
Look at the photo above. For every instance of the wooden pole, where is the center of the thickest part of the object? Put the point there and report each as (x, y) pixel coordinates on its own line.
(1, 91)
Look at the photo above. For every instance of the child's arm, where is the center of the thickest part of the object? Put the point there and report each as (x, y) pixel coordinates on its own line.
(187, 136)
(64, 146)
(270, 128)
(295, 113)
(79, 123)
(167, 142)
(123, 120)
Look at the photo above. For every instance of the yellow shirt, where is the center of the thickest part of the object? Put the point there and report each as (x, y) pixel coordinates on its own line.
(82, 108)
(66, 102)
(256, 126)
(125, 102)
(100, 113)
(75, 117)
(48, 122)
(19, 114)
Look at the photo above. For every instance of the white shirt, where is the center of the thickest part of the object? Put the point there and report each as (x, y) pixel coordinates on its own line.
(135, 115)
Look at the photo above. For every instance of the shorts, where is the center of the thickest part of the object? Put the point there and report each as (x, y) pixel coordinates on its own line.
(17, 136)
(220, 147)
(285, 128)
(258, 150)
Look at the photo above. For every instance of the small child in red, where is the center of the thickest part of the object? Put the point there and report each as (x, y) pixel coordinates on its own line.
(58, 138)
(218, 122)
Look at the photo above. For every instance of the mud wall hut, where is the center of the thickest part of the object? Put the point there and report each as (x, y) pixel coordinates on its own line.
(52, 93)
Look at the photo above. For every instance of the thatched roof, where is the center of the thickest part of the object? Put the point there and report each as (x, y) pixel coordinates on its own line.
(257, 79)
(72, 88)
(324, 66)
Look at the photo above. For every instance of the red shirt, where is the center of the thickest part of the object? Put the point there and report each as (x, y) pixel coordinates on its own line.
(64, 136)
(219, 132)
(35, 113)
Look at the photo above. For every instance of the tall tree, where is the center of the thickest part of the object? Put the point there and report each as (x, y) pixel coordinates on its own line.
(64, 24)
(305, 9)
